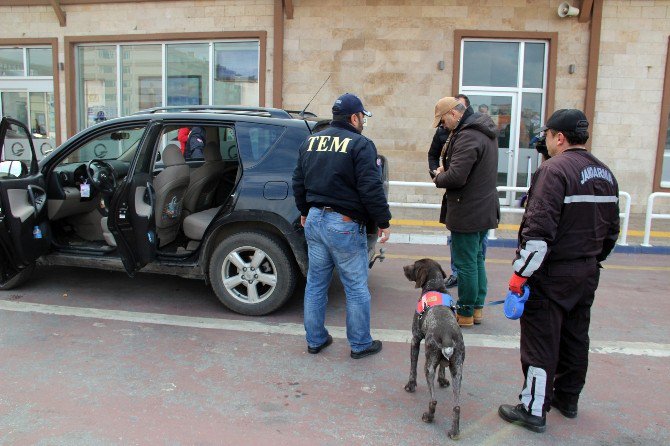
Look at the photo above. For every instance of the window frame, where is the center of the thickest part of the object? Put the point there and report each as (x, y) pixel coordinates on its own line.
(550, 38)
(72, 42)
(663, 128)
(43, 43)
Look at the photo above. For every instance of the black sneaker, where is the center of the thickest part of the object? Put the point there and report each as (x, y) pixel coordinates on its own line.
(451, 281)
(566, 404)
(376, 347)
(315, 350)
(519, 415)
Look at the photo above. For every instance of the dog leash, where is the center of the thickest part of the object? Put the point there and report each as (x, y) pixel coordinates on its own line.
(485, 304)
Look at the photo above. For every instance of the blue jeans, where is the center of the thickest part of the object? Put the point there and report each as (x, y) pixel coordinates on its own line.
(334, 243)
(454, 269)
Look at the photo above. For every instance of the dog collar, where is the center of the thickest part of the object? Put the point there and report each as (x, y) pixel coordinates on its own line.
(433, 299)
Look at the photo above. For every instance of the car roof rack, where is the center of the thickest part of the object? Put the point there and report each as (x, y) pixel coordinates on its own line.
(302, 113)
(228, 109)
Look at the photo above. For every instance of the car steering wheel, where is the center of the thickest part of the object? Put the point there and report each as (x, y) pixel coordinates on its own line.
(101, 175)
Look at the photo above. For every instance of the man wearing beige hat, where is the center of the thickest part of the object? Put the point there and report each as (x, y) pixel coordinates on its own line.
(470, 204)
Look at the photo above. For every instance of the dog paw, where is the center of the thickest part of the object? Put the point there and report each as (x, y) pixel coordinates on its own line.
(427, 417)
(443, 382)
(410, 386)
(453, 435)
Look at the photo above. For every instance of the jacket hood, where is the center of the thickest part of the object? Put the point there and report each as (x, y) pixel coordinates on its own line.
(198, 131)
(482, 123)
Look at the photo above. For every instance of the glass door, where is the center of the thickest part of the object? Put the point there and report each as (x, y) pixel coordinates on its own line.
(506, 79)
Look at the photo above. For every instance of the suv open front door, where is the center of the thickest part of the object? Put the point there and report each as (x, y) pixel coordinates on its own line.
(24, 222)
(131, 217)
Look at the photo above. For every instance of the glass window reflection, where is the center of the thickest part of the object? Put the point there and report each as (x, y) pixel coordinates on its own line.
(492, 64)
(142, 80)
(11, 62)
(533, 65)
(97, 86)
(235, 73)
(188, 74)
(40, 62)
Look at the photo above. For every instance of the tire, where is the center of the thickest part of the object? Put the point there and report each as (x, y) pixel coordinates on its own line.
(249, 291)
(19, 279)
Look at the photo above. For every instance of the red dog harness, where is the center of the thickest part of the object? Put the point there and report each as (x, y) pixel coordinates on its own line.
(433, 299)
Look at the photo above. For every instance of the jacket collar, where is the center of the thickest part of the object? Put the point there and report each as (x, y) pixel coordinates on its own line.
(345, 126)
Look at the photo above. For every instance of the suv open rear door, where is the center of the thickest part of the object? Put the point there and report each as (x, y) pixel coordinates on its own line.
(131, 214)
(24, 221)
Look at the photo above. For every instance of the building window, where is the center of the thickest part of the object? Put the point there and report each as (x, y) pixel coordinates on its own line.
(662, 174)
(27, 92)
(117, 80)
(507, 80)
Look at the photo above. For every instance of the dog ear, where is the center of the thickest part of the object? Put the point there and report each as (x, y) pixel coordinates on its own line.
(421, 274)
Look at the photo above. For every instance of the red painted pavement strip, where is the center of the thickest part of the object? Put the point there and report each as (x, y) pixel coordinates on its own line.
(631, 305)
(83, 381)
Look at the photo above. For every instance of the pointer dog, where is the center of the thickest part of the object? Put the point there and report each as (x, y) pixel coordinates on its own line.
(444, 340)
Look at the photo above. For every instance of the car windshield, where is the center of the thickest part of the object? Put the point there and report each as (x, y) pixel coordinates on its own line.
(113, 145)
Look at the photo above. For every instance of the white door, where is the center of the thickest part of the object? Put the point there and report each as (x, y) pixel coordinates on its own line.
(507, 80)
(31, 102)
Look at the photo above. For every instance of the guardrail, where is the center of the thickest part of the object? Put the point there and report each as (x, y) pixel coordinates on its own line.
(625, 215)
(650, 215)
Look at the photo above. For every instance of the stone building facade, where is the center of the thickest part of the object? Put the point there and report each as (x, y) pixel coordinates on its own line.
(400, 56)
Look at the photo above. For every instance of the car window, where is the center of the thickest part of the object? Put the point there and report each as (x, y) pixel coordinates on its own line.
(254, 140)
(112, 145)
(228, 144)
(16, 154)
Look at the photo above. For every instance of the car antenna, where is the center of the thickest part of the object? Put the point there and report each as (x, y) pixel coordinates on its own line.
(302, 113)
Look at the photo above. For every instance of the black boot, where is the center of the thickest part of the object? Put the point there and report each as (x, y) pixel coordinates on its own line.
(565, 403)
(519, 415)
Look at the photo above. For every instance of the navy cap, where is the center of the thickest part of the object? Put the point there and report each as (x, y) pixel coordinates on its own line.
(349, 104)
(567, 120)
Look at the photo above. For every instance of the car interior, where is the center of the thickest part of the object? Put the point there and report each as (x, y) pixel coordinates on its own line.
(188, 192)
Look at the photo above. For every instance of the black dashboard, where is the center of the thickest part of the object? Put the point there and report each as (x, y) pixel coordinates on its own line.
(74, 174)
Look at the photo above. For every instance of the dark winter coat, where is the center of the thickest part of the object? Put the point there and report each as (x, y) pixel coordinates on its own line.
(195, 146)
(338, 168)
(470, 203)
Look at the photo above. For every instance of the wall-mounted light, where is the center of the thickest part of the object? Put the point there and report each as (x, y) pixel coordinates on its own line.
(571, 68)
(440, 65)
(61, 66)
(565, 10)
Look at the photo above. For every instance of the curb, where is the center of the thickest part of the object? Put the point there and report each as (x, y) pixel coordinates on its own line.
(428, 239)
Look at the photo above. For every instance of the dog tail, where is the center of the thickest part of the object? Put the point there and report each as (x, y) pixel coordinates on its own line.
(447, 352)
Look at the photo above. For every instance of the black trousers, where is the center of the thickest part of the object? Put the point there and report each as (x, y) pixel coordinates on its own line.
(555, 332)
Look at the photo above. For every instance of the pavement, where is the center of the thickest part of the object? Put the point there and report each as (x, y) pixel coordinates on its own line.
(94, 357)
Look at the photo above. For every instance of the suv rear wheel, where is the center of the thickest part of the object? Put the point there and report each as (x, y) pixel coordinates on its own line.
(252, 274)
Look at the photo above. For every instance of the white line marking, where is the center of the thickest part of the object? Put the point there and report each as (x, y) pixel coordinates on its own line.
(403, 336)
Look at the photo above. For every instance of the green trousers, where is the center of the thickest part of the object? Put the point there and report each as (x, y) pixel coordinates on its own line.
(466, 249)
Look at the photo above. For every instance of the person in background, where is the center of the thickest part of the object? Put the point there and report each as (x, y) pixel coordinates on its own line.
(182, 137)
(195, 145)
(483, 109)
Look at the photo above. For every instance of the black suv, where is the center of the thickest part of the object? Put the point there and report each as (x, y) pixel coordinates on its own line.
(121, 195)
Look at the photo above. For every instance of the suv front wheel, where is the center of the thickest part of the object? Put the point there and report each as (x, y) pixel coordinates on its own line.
(252, 274)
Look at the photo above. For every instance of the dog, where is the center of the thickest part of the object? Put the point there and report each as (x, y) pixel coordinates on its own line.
(444, 340)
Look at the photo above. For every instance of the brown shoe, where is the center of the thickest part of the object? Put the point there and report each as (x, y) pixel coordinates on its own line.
(478, 316)
(465, 321)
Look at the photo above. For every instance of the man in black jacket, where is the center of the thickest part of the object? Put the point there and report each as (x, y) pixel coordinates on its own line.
(470, 205)
(570, 225)
(338, 188)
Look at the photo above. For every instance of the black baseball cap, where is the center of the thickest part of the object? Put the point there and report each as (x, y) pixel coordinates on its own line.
(349, 104)
(567, 120)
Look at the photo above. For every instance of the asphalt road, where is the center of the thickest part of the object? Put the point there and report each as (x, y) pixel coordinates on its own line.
(94, 357)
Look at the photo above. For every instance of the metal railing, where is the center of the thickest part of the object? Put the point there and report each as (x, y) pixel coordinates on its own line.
(625, 215)
(650, 215)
